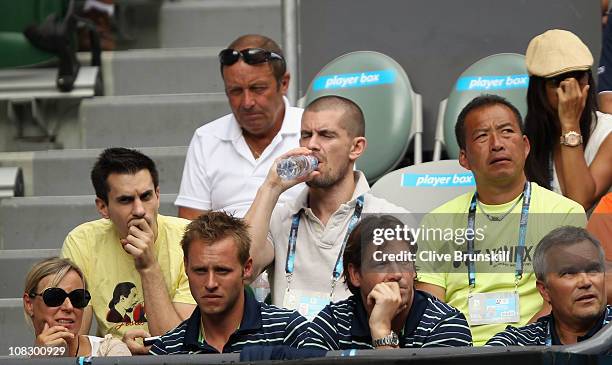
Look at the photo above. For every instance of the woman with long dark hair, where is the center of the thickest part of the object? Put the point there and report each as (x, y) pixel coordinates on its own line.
(571, 142)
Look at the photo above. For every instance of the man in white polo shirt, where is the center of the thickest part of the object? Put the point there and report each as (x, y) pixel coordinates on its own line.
(228, 158)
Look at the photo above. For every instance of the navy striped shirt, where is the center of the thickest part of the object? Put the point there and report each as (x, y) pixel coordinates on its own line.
(430, 323)
(261, 324)
(535, 334)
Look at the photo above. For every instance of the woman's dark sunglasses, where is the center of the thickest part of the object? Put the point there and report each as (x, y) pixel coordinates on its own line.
(580, 76)
(251, 56)
(54, 297)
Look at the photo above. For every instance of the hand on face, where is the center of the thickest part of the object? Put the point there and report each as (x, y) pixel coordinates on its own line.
(139, 242)
(55, 336)
(572, 99)
(383, 303)
(274, 181)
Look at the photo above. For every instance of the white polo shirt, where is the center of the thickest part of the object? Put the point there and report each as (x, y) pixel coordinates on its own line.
(220, 171)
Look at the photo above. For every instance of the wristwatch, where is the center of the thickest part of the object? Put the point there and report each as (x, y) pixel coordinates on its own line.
(389, 340)
(571, 139)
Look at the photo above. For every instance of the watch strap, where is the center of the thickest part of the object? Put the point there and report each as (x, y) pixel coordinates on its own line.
(389, 340)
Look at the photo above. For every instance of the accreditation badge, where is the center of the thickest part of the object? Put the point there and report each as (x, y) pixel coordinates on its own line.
(307, 302)
(493, 308)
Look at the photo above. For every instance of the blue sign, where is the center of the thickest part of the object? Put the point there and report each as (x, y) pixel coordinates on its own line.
(438, 180)
(502, 82)
(362, 79)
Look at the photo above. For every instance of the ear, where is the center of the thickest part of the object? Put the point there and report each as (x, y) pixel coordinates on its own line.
(28, 306)
(284, 83)
(358, 147)
(248, 269)
(102, 208)
(463, 160)
(543, 290)
(354, 275)
(412, 274)
(158, 201)
(527, 145)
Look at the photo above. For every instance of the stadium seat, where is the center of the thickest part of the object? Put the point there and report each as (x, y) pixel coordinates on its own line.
(501, 74)
(11, 182)
(423, 187)
(15, 49)
(392, 109)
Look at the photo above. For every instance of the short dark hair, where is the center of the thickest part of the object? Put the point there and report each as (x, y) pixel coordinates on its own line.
(119, 160)
(213, 226)
(562, 236)
(279, 67)
(480, 102)
(353, 119)
(362, 234)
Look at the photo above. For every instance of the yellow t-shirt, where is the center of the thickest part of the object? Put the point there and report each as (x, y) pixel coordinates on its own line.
(115, 286)
(547, 211)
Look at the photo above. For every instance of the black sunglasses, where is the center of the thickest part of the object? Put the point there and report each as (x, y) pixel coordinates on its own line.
(251, 56)
(578, 75)
(54, 297)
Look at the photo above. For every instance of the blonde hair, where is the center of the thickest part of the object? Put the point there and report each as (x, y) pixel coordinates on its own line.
(58, 267)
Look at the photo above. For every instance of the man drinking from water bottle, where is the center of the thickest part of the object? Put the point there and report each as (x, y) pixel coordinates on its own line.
(302, 242)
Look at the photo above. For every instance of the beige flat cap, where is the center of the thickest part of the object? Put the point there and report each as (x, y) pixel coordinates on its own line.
(556, 52)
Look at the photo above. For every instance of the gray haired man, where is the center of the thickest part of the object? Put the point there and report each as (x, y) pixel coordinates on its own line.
(570, 270)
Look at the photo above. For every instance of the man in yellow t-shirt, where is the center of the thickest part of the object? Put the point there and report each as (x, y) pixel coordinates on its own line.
(488, 273)
(131, 258)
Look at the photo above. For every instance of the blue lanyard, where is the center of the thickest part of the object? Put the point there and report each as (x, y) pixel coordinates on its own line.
(522, 234)
(295, 223)
(548, 340)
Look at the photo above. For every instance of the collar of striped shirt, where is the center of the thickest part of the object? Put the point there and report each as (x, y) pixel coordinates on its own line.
(555, 340)
(361, 328)
(251, 321)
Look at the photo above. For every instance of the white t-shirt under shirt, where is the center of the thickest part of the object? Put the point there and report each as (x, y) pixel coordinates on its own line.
(108, 346)
(220, 171)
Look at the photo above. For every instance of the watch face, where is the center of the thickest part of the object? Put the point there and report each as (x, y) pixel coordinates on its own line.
(394, 339)
(572, 139)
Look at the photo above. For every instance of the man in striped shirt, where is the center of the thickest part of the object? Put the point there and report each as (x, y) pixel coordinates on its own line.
(228, 318)
(570, 270)
(384, 311)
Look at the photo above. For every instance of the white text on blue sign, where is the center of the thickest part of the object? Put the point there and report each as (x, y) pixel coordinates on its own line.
(438, 180)
(362, 79)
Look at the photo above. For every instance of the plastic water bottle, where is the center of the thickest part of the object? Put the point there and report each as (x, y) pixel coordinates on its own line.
(296, 166)
(261, 287)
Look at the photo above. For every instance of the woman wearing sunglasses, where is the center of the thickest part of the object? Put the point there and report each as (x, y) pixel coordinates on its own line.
(54, 298)
(571, 142)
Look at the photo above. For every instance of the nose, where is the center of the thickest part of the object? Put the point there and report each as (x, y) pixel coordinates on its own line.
(313, 143)
(248, 100)
(211, 282)
(67, 305)
(584, 280)
(138, 210)
(395, 275)
(495, 141)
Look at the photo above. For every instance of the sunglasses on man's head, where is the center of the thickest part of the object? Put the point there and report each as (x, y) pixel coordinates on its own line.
(251, 56)
(54, 297)
(581, 76)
